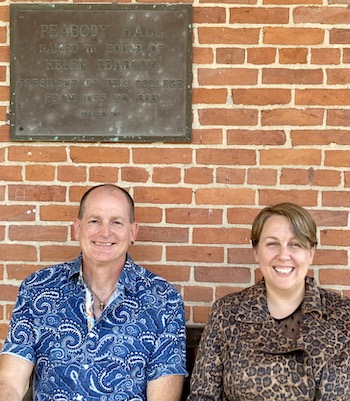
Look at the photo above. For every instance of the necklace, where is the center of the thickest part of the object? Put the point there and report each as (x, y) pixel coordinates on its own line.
(102, 303)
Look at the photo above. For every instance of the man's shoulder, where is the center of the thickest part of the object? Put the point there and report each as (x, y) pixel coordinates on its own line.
(142, 279)
(51, 274)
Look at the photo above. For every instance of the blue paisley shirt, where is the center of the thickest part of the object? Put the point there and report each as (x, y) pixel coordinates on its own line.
(139, 337)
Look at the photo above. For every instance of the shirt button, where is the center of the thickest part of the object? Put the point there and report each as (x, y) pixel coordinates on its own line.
(86, 366)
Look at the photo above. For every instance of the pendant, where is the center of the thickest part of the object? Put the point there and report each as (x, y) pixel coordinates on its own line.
(102, 305)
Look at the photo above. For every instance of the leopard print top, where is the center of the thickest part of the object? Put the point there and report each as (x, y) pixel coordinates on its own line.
(243, 355)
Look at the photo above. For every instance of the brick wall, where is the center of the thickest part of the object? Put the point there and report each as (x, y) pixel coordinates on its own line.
(271, 122)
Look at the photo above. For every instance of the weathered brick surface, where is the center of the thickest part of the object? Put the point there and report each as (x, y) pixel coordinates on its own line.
(271, 123)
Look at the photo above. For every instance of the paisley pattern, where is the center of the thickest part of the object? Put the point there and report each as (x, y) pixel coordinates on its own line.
(139, 337)
(244, 356)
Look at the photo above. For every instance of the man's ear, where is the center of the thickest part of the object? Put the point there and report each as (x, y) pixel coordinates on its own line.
(76, 228)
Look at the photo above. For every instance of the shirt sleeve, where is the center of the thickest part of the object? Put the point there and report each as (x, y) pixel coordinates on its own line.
(20, 340)
(169, 354)
(206, 380)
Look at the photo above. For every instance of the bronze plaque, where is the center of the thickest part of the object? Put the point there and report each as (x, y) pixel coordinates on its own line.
(101, 73)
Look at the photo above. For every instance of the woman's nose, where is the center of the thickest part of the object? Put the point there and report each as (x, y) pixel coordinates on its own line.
(284, 252)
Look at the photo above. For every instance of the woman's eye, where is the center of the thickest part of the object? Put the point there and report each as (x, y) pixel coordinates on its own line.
(295, 245)
(272, 244)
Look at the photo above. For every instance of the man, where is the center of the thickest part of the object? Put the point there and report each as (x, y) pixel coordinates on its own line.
(99, 327)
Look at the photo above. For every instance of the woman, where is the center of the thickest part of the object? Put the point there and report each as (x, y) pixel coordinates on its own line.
(283, 338)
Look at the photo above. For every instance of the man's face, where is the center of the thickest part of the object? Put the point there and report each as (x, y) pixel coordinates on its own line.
(105, 230)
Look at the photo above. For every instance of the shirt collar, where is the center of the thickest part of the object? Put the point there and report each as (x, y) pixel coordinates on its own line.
(126, 279)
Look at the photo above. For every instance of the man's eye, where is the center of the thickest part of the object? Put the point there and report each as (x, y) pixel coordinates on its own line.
(93, 221)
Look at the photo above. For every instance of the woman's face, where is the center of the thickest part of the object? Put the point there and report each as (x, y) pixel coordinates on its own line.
(284, 263)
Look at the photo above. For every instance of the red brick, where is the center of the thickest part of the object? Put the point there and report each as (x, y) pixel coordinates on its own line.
(58, 253)
(198, 175)
(193, 216)
(322, 97)
(259, 15)
(38, 233)
(10, 173)
(226, 156)
(17, 213)
(4, 90)
(206, 254)
(255, 137)
(248, 36)
(293, 36)
(229, 55)
(41, 193)
(327, 56)
(337, 158)
(225, 196)
(163, 234)
(261, 96)
(198, 294)
(336, 199)
(163, 195)
(321, 15)
(71, 173)
(103, 174)
(261, 55)
(148, 214)
(58, 212)
(302, 197)
(242, 117)
(320, 137)
(290, 157)
(293, 55)
(327, 257)
(166, 175)
(200, 313)
(42, 172)
(288, 76)
(335, 237)
(292, 117)
(18, 252)
(209, 96)
(310, 177)
(335, 277)
(241, 215)
(339, 36)
(220, 235)
(98, 154)
(227, 175)
(241, 256)
(202, 55)
(209, 15)
(222, 274)
(262, 176)
(338, 118)
(38, 154)
(206, 136)
(227, 76)
(162, 156)
(149, 253)
(330, 218)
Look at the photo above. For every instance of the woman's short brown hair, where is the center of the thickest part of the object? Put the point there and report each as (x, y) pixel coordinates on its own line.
(303, 225)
